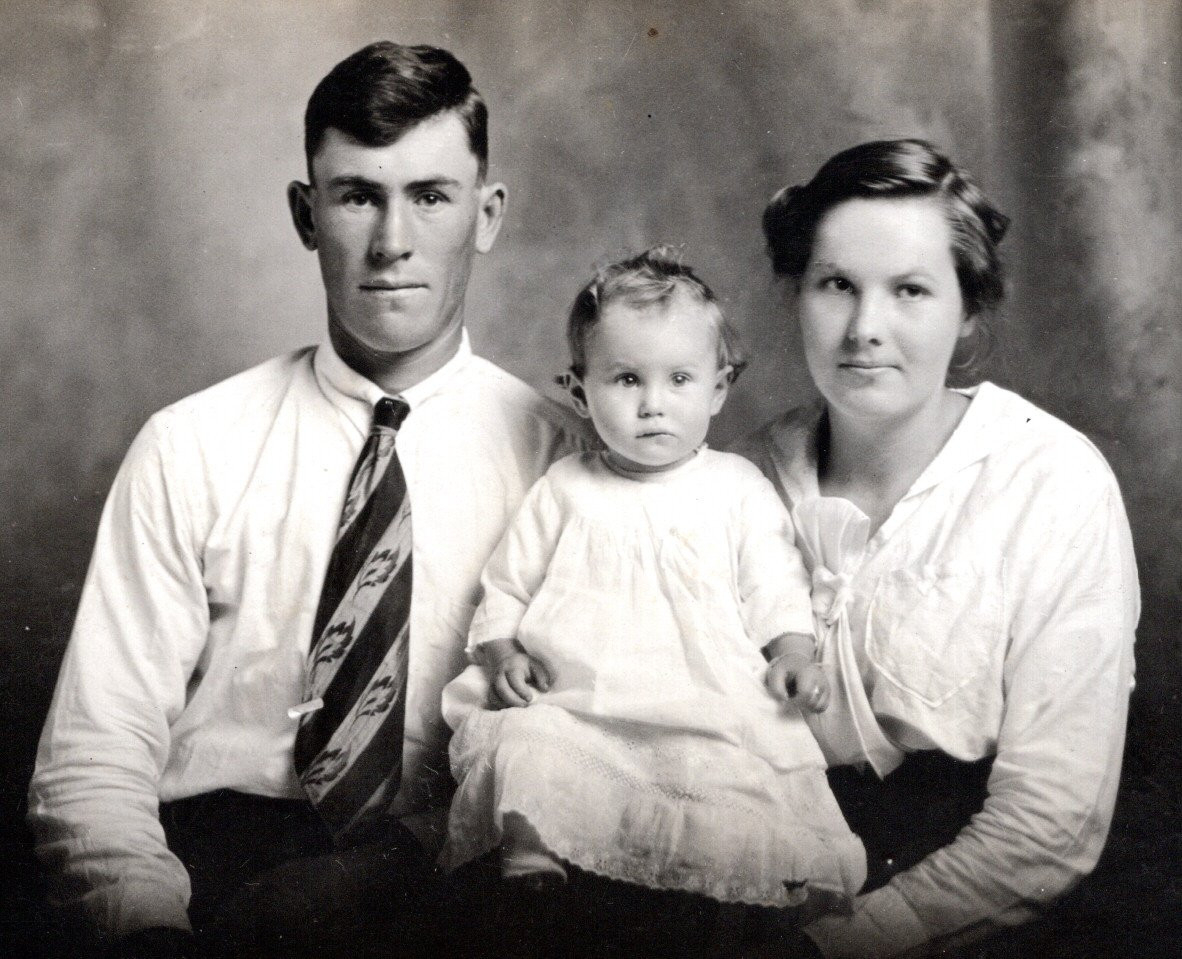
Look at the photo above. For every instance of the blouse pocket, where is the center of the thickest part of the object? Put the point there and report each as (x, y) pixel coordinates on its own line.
(932, 630)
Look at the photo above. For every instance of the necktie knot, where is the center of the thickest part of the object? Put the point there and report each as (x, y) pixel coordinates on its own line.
(388, 413)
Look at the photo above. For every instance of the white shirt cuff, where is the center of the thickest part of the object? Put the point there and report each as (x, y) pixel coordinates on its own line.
(882, 925)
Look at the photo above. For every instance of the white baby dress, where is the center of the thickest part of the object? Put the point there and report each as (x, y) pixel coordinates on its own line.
(657, 756)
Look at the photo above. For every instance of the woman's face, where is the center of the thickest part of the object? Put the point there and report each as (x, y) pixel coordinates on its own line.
(880, 307)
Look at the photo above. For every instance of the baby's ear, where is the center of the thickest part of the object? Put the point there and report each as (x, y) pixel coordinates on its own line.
(722, 386)
(573, 386)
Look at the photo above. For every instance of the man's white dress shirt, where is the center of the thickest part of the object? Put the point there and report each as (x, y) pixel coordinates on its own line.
(196, 617)
(992, 614)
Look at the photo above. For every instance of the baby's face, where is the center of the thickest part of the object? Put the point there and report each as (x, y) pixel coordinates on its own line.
(652, 381)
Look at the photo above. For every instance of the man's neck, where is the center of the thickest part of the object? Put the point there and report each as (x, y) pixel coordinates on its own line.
(395, 372)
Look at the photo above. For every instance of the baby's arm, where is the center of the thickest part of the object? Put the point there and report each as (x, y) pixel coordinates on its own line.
(513, 672)
(792, 673)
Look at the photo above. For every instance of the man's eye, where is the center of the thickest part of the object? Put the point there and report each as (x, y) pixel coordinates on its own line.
(431, 198)
(358, 198)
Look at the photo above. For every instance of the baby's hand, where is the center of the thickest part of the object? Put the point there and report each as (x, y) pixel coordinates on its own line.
(805, 684)
(516, 676)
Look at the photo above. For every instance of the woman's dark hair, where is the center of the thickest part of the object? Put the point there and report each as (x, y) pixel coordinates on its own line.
(378, 93)
(894, 169)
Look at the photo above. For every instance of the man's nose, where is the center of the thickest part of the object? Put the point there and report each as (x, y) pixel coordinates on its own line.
(867, 314)
(393, 235)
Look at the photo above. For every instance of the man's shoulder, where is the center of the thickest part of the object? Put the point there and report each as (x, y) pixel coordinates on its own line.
(506, 403)
(251, 393)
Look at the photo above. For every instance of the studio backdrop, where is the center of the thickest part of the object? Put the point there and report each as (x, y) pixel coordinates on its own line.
(146, 249)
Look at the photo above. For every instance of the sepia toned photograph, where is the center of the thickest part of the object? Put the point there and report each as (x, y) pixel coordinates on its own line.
(498, 479)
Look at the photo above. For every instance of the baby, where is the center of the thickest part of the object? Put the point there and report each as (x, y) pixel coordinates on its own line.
(647, 619)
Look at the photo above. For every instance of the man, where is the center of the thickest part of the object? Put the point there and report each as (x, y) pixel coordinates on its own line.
(192, 743)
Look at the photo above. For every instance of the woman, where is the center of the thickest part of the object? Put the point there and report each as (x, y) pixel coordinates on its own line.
(972, 567)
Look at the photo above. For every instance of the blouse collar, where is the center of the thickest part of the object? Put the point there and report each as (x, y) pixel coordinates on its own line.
(794, 439)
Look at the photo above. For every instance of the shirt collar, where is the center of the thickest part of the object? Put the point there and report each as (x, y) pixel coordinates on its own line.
(355, 396)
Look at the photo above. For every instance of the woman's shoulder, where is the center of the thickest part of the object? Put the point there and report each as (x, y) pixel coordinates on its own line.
(1023, 436)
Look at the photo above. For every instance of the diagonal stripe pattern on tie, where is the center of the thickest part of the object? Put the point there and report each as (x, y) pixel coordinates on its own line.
(348, 754)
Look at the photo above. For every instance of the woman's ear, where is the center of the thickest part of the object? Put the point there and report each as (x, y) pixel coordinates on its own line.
(299, 201)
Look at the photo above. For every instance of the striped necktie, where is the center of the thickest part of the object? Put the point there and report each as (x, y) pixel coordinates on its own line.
(348, 751)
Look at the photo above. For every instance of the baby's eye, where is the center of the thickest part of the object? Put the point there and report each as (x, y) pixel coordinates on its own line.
(681, 379)
(912, 291)
(627, 379)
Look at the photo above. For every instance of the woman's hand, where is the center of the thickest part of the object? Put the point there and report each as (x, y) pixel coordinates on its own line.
(793, 676)
(514, 673)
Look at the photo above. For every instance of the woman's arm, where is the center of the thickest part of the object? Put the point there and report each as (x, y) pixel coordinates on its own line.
(1067, 676)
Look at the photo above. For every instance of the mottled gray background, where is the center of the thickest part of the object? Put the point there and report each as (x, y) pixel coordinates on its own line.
(145, 247)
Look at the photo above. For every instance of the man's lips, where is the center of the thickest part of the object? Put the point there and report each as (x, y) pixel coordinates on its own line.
(392, 286)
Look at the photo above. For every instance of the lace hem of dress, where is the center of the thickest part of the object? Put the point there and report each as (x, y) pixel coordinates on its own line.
(767, 838)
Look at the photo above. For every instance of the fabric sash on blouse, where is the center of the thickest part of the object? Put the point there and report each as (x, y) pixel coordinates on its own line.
(832, 533)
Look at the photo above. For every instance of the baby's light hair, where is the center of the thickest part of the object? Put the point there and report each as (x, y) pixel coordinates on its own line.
(651, 278)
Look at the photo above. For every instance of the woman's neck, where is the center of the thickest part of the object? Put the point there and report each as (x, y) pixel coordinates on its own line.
(874, 464)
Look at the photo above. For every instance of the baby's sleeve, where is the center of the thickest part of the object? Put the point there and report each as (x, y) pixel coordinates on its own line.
(773, 583)
(517, 567)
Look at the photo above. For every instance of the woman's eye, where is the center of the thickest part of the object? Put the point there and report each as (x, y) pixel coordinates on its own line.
(912, 291)
(837, 284)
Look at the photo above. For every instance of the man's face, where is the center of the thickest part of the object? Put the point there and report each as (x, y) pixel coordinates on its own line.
(396, 228)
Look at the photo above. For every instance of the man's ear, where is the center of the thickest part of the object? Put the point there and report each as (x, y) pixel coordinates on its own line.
(570, 382)
(722, 386)
(488, 219)
(299, 201)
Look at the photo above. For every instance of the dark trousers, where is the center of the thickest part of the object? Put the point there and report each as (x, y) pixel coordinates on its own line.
(917, 809)
(268, 880)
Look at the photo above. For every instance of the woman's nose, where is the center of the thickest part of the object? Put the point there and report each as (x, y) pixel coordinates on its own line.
(392, 237)
(865, 320)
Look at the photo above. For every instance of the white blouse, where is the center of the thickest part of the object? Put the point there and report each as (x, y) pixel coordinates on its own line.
(992, 614)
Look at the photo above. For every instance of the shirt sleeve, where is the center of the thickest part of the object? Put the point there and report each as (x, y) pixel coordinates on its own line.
(773, 583)
(1067, 677)
(140, 628)
(517, 567)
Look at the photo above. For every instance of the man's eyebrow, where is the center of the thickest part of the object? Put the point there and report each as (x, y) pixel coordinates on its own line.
(355, 182)
(433, 182)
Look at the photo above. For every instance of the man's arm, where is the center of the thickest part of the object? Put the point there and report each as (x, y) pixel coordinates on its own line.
(141, 625)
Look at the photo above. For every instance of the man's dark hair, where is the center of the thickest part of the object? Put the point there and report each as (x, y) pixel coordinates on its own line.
(381, 91)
